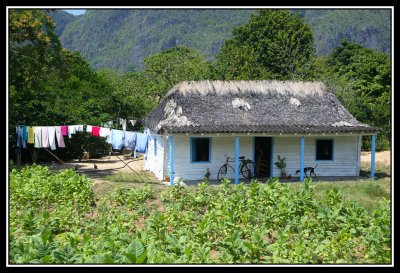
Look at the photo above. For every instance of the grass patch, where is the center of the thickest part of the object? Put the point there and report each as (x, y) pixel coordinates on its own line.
(140, 177)
(381, 169)
(368, 193)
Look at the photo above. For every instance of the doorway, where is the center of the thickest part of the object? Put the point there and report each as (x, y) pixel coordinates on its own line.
(262, 156)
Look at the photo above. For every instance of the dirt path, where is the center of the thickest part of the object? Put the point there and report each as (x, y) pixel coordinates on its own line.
(380, 157)
(99, 168)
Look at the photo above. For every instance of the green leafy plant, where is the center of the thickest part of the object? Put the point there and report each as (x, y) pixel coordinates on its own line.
(246, 223)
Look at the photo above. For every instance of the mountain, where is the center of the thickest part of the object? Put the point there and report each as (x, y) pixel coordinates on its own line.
(121, 39)
(371, 28)
(62, 19)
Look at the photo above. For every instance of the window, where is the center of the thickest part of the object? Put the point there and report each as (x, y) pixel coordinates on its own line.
(324, 149)
(200, 150)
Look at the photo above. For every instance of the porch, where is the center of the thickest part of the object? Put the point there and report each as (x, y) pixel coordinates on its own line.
(298, 146)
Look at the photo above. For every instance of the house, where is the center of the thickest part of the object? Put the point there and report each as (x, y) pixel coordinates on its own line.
(197, 123)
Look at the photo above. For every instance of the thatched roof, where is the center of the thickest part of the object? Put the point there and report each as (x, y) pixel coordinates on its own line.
(252, 106)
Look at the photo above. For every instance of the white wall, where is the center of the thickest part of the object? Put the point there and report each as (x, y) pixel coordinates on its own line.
(155, 162)
(219, 147)
(345, 162)
(345, 155)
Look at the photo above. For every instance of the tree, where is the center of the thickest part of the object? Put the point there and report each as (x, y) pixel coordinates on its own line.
(274, 44)
(50, 85)
(361, 79)
(171, 66)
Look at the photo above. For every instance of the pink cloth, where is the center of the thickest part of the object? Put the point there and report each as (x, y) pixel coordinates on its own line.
(45, 137)
(95, 131)
(59, 136)
(64, 130)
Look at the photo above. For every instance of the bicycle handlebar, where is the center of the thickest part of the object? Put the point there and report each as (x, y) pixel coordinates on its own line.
(228, 157)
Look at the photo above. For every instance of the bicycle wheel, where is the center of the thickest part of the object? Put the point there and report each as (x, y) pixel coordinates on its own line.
(222, 172)
(247, 169)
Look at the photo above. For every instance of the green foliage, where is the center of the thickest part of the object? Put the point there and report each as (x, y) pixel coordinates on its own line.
(121, 39)
(281, 164)
(170, 67)
(255, 223)
(361, 79)
(274, 44)
(369, 27)
(37, 188)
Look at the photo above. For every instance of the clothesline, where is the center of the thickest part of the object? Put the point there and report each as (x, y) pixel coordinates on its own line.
(46, 136)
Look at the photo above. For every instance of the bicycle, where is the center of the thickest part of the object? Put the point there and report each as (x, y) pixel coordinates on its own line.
(246, 167)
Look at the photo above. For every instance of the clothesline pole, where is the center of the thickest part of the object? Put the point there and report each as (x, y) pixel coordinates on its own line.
(55, 156)
(18, 157)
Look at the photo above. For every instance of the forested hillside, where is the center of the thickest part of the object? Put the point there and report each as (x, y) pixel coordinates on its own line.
(121, 39)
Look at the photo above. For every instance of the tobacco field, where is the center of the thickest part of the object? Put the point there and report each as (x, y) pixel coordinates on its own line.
(56, 218)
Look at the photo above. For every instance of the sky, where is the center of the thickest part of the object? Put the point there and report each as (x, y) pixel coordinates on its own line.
(75, 11)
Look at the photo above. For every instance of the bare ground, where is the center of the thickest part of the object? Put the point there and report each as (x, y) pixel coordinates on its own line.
(99, 168)
(110, 165)
(380, 157)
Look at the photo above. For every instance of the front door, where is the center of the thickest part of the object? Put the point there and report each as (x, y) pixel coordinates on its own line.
(262, 156)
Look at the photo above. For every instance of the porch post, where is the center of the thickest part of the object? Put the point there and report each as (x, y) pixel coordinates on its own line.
(373, 141)
(236, 160)
(302, 159)
(171, 160)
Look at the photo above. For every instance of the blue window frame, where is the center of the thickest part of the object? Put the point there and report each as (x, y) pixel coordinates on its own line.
(324, 149)
(200, 149)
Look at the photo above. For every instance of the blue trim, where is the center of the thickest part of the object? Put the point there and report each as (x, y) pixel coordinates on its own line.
(193, 152)
(373, 143)
(171, 160)
(302, 159)
(236, 160)
(155, 146)
(254, 155)
(333, 150)
(271, 164)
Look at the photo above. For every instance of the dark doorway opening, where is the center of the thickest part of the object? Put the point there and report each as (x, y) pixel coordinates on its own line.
(262, 156)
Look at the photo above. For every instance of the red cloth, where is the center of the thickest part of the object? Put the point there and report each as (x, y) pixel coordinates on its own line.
(64, 130)
(95, 131)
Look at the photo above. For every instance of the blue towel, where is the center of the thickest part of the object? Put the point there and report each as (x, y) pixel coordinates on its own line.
(142, 141)
(116, 139)
(130, 139)
(22, 136)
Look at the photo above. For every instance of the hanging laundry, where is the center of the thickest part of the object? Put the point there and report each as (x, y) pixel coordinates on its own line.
(96, 131)
(123, 123)
(64, 130)
(142, 141)
(25, 133)
(52, 137)
(38, 137)
(130, 139)
(89, 128)
(45, 137)
(59, 136)
(104, 132)
(31, 135)
(72, 129)
(108, 124)
(20, 136)
(116, 139)
(132, 121)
